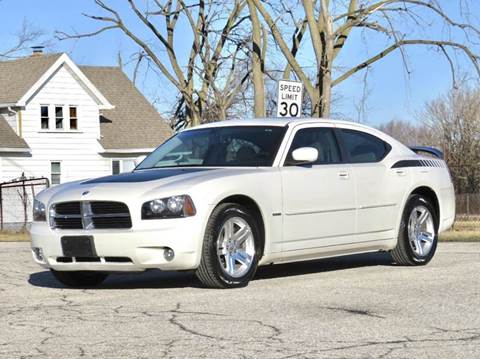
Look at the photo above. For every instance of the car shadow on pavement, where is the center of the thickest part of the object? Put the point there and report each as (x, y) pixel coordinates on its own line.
(158, 279)
(324, 265)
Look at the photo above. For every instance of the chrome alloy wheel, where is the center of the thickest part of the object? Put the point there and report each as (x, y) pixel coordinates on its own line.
(235, 247)
(421, 231)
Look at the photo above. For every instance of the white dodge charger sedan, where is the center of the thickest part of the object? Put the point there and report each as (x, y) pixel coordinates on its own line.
(223, 198)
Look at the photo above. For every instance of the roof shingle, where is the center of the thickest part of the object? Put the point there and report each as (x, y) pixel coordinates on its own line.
(8, 138)
(18, 76)
(134, 123)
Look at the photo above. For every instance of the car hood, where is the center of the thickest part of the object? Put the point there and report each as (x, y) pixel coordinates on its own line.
(141, 183)
(145, 175)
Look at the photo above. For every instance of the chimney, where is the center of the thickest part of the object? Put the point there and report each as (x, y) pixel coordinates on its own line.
(37, 50)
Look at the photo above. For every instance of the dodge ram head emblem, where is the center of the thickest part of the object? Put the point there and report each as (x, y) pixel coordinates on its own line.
(85, 193)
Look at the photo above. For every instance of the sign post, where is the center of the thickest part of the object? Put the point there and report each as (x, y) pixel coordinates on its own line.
(289, 100)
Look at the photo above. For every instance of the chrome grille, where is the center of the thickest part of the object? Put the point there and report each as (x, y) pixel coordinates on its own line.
(90, 215)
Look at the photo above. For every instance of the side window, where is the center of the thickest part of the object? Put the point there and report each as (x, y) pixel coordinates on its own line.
(115, 167)
(56, 173)
(363, 147)
(321, 138)
(58, 117)
(73, 118)
(44, 117)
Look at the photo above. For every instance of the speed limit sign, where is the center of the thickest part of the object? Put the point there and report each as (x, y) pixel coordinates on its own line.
(289, 101)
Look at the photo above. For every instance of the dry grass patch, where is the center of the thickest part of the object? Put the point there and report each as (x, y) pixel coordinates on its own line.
(7, 236)
(463, 230)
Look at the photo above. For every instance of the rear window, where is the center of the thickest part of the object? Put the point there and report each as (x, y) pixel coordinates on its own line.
(363, 147)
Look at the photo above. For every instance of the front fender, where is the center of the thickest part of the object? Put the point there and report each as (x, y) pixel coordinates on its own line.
(262, 188)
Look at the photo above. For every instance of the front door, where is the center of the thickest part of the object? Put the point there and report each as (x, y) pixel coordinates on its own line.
(319, 199)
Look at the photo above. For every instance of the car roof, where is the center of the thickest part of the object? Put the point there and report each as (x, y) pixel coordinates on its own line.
(274, 121)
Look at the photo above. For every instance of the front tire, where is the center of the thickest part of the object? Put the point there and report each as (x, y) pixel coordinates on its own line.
(418, 235)
(80, 279)
(231, 248)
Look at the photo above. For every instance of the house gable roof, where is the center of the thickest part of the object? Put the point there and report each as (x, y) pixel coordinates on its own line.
(134, 124)
(21, 79)
(9, 140)
(18, 76)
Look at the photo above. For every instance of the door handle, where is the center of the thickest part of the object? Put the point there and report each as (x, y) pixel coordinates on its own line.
(401, 173)
(343, 175)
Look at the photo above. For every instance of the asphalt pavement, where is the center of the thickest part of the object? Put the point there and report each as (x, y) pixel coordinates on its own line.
(351, 307)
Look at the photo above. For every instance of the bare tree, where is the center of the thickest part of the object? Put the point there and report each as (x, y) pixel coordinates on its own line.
(455, 119)
(25, 37)
(215, 51)
(409, 133)
(330, 24)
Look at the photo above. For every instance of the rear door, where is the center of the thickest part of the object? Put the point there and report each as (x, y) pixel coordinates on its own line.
(379, 189)
(319, 198)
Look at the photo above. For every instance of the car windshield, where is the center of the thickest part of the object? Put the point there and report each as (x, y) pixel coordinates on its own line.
(246, 146)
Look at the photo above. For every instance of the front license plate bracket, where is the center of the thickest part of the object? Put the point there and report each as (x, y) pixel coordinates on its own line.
(78, 246)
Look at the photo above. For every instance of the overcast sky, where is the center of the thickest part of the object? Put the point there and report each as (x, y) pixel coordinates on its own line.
(392, 94)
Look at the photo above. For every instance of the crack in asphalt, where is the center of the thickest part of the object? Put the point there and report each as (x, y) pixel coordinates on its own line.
(356, 311)
(173, 320)
(406, 341)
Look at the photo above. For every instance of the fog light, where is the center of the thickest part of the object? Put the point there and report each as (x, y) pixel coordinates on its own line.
(38, 253)
(168, 254)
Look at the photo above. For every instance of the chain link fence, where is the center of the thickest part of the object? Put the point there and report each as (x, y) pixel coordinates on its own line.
(468, 205)
(467, 221)
(16, 201)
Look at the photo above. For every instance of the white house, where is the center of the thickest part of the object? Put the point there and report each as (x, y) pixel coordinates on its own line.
(68, 122)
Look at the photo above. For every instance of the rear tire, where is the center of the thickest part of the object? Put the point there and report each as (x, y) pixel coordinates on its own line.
(231, 248)
(80, 279)
(418, 234)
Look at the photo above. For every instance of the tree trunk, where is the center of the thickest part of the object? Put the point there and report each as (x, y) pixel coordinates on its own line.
(324, 84)
(325, 91)
(321, 102)
(257, 63)
(195, 119)
(192, 114)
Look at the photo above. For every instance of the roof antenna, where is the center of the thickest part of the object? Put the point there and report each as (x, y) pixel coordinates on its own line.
(37, 50)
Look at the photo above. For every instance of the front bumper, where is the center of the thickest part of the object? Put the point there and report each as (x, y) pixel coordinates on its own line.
(143, 247)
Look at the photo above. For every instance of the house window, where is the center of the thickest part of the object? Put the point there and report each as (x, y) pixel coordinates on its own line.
(115, 167)
(55, 172)
(58, 117)
(44, 117)
(121, 166)
(73, 118)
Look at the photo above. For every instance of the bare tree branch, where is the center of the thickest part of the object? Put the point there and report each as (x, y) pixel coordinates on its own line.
(26, 37)
(474, 59)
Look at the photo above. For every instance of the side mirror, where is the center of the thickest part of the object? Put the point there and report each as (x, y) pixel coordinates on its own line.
(305, 155)
(139, 159)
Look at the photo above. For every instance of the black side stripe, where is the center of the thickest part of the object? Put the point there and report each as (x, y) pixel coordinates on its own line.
(417, 163)
(407, 163)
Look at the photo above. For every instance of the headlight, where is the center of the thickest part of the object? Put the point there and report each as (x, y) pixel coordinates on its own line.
(39, 214)
(170, 207)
